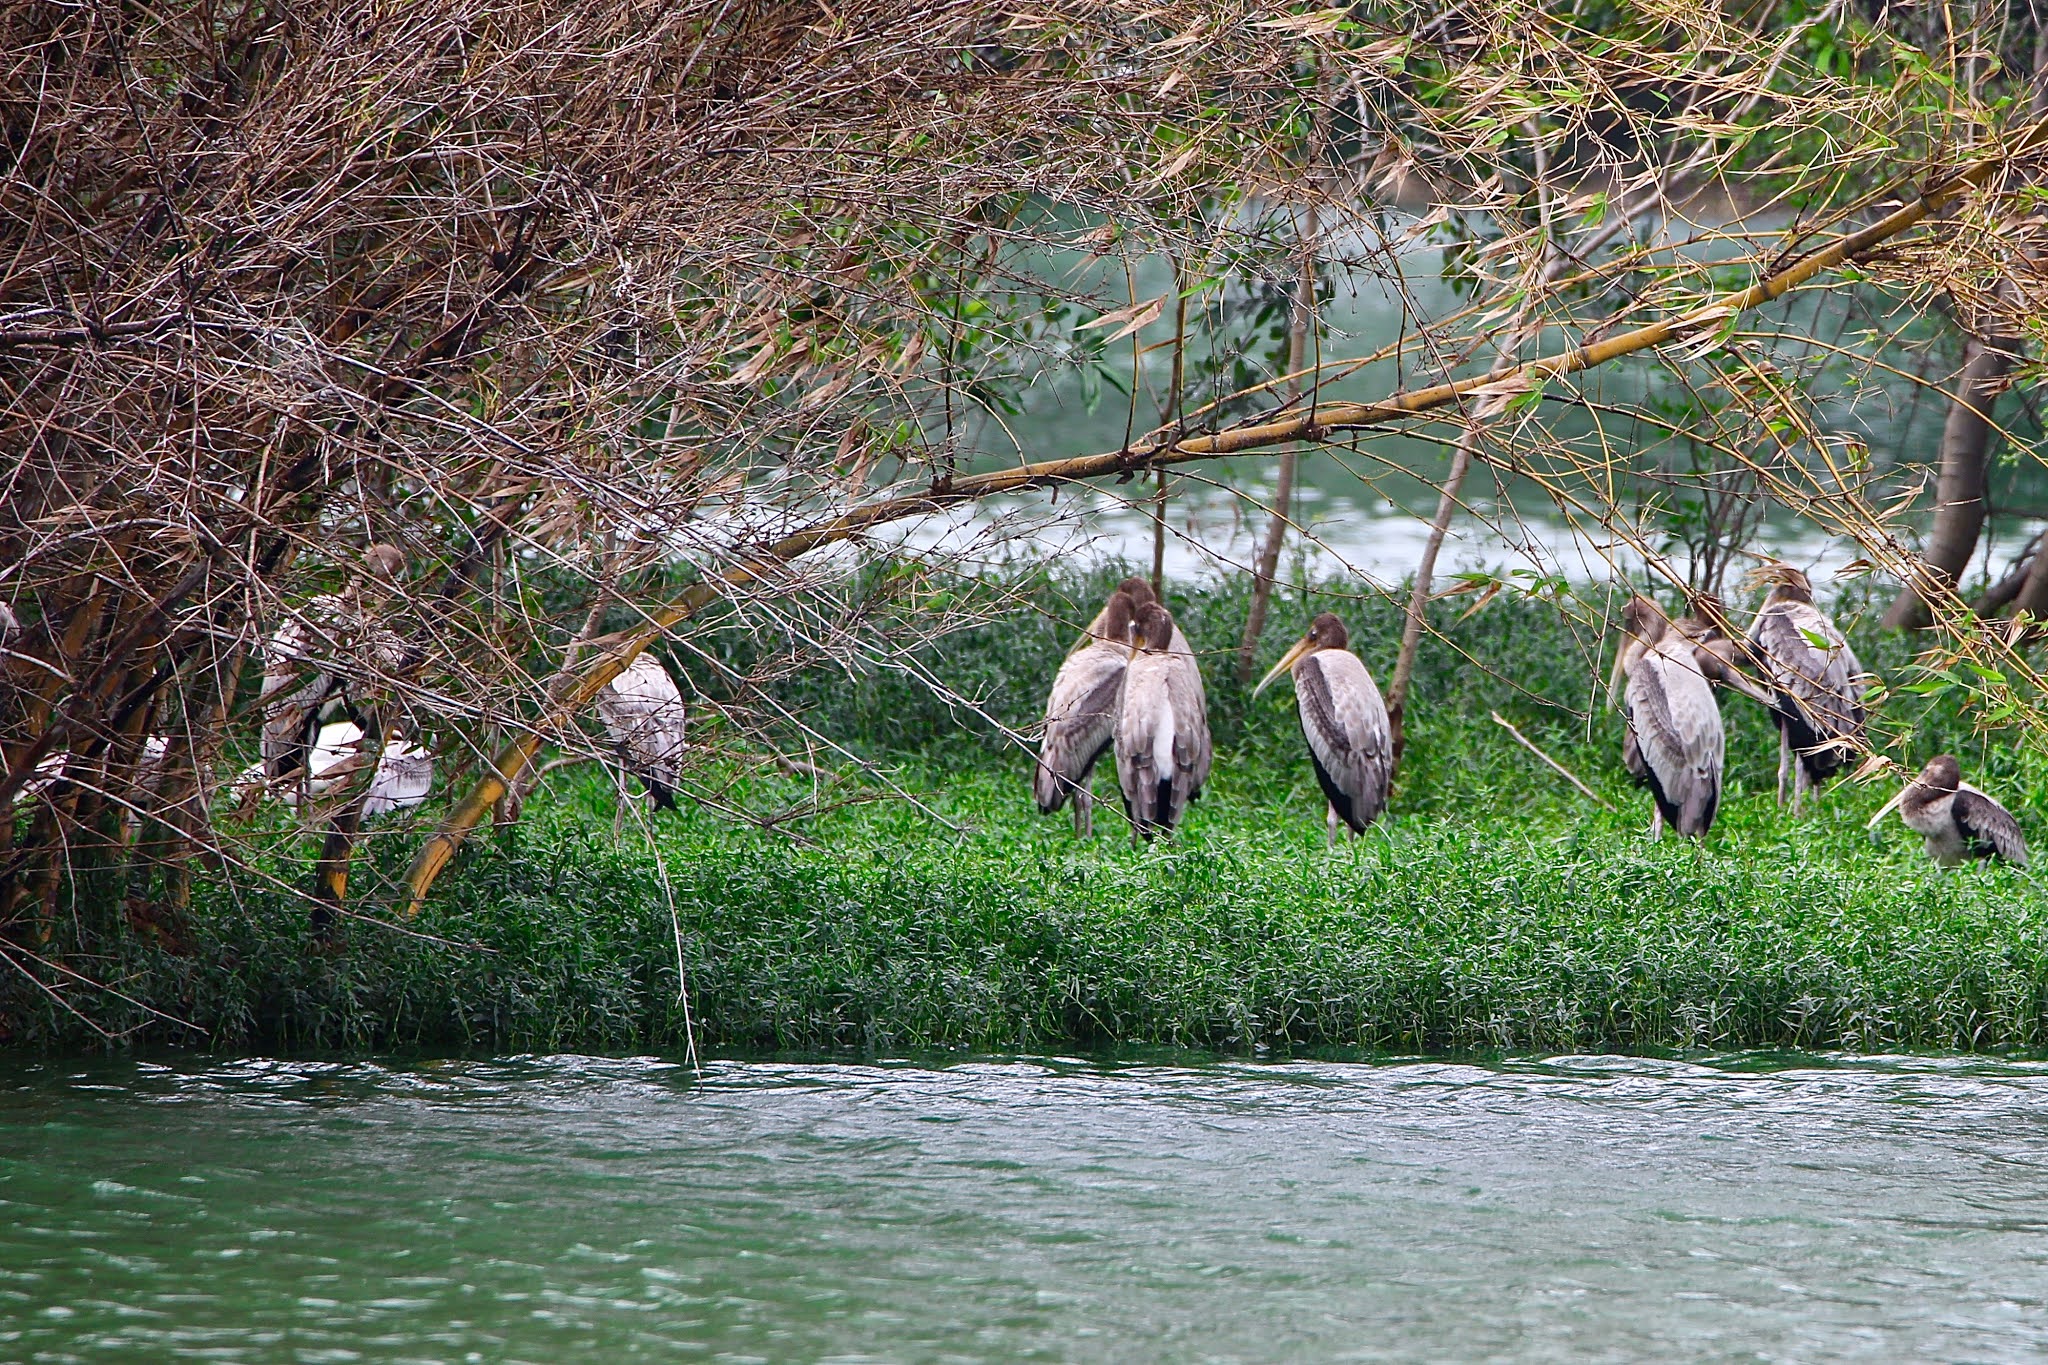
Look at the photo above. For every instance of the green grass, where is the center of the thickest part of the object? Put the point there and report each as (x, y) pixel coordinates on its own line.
(1495, 909)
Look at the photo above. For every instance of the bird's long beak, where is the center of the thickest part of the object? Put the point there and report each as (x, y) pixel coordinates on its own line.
(1889, 806)
(1287, 661)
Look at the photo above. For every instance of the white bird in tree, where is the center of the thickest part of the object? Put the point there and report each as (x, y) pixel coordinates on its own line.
(1081, 713)
(1162, 745)
(1675, 742)
(642, 708)
(1957, 820)
(1344, 719)
(1816, 678)
(330, 653)
(404, 775)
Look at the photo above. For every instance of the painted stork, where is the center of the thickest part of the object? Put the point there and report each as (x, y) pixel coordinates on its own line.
(1816, 680)
(1140, 592)
(1162, 736)
(1957, 820)
(322, 658)
(1675, 741)
(403, 778)
(1344, 719)
(1082, 710)
(642, 708)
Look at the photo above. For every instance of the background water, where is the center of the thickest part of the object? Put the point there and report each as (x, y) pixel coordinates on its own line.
(571, 1209)
(1366, 510)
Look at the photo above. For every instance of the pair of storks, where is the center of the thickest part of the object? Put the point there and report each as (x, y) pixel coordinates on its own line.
(1133, 686)
(1795, 663)
(326, 667)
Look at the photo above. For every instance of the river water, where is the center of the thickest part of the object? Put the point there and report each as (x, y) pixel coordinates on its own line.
(556, 1209)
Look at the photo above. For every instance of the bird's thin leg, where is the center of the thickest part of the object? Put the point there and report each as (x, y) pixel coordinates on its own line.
(1656, 823)
(1084, 813)
(619, 812)
(1800, 784)
(1784, 757)
(1329, 826)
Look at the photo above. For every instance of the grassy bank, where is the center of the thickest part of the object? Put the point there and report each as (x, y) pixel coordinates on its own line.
(1497, 907)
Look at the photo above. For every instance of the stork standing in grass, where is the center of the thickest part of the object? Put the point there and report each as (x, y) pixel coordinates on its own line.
(1082, 710)
(1675, 742)
(1140, 592)
(1957, 820)
(1816, 680)
(1344, 719)
(1162, 744)
(642, 708)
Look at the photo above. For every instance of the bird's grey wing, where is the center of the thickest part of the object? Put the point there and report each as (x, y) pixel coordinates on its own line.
(1989, 827)
(1819, 678)
(1193, 749)
(1145, 704)
(1080, 721)
(643, 711)
(1344, 719)
(1677, 728)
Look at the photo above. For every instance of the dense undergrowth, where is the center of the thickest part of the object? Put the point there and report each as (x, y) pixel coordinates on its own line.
(1497, 908)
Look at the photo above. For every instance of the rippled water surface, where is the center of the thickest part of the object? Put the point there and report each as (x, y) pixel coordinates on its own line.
(566, 1208)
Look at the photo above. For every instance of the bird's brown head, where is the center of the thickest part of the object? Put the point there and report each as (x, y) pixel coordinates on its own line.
(1327, 632)
(385, 562)
(1138, 590)
(1154, 628)
(1942, 774)
(1643, 619)
(1786, 583)
(1706, 617)
(1117, 618)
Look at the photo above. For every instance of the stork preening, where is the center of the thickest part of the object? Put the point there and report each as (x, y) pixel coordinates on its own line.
(1675, 742)
(1958, 821)
(1816, 680)
(1140, 592)
(642, 709)
(326, 657)
(1082, 710)
(1162, 735)
(1344, 719)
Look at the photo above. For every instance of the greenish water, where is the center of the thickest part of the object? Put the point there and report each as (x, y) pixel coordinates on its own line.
(571, 1209)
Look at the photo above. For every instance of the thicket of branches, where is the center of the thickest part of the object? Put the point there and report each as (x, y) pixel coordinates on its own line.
(616, 317)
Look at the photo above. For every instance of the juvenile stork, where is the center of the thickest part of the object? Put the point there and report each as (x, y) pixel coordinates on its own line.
(1815, 678)
(1675, 742)
(1082, 710)
(1162, 736)
(328, 654)
(642, 709)
(1956, 819)
(1191, 669)
(1344, 719)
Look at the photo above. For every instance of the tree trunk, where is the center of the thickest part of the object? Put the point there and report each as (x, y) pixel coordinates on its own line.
(1268, 562)
(1960, 489)
(1425, 573)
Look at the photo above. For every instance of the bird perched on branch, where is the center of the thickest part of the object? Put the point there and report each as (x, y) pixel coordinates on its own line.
(1162, 744)
(1675, 741)
(331, 654)
(1816, 680)
(642, 709)
(1081, 711)
(1344, 719)
(1957, 820)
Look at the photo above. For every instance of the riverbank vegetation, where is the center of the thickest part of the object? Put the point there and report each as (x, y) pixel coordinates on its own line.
(420, 367)
(1495, 908)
